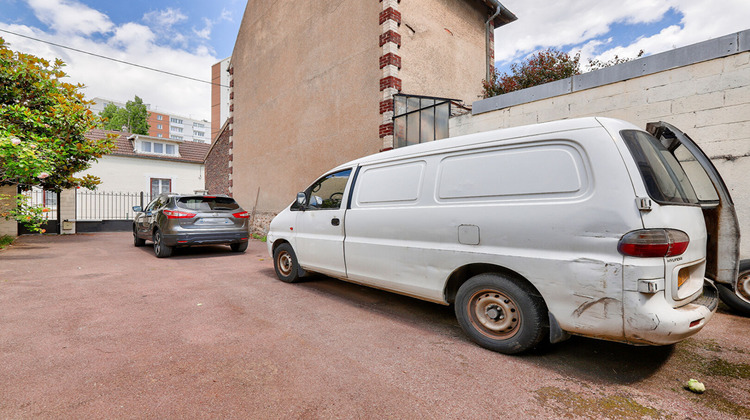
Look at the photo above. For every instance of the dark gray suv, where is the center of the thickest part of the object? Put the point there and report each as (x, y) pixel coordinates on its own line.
(172, 220)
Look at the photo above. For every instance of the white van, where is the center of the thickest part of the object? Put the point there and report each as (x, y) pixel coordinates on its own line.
(589, 226)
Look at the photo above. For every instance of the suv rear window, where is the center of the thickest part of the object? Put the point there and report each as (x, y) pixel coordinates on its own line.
(666, 181)
(207, 203)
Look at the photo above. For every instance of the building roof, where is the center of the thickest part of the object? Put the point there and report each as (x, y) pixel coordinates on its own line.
(504, 16)
(190, 151)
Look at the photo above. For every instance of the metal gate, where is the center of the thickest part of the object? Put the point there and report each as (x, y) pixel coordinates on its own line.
(107, 211)
(49, 200)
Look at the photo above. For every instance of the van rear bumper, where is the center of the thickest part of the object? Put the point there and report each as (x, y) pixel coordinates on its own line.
(656, 322)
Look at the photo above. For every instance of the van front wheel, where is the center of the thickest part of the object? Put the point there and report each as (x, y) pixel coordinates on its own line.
(501, 314)
(285, 263)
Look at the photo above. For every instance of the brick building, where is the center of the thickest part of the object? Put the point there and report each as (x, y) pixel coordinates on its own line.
(166, 125)
(217, 163)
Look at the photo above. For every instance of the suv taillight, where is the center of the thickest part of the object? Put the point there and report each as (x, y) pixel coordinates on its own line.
(175, 214)
(241, 215)
(654, 243)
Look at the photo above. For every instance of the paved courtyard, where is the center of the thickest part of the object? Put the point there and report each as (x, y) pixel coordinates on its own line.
(92, 327)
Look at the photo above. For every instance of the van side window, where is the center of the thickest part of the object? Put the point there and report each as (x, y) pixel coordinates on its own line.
(665, 179)
(327, 192)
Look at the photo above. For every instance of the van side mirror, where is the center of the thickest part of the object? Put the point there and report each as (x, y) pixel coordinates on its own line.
(137, 209)
(301, 199)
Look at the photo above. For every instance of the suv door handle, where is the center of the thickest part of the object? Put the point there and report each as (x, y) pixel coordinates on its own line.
(335, 221)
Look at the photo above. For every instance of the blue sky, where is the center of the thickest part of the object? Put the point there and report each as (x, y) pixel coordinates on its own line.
(187, 37)
(182, 37)
(600, 29)
(213, 23)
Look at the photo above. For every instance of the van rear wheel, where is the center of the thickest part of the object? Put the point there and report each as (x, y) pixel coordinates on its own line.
(501, 314)
(738, 300)
(285, 263)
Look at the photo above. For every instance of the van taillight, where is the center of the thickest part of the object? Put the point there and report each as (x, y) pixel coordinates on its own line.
(654, 243)
(175, 214)
(241, 215)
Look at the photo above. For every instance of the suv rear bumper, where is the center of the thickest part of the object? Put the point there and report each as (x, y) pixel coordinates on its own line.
(185, 239)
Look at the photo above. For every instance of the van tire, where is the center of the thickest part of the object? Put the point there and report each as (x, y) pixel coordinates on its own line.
(739, 303)
(285, 263)
(501, 314)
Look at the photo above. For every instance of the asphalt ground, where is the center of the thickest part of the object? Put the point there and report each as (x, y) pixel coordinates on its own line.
(92, 327)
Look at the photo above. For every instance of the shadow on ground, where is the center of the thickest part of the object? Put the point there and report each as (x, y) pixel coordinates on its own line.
(194, 252)
(580, 358)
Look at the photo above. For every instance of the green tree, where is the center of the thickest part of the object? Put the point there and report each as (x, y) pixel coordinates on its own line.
(42, 125)
(114, 117)
(596, 64)
(133, 118)
(542, 67)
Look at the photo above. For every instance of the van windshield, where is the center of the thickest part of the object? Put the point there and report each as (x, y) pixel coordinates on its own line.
(665, 179)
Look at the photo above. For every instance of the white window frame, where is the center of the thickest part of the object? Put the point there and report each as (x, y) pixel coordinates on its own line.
(152, 147)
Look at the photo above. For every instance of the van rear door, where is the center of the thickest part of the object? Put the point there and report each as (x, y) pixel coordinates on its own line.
(722, 226)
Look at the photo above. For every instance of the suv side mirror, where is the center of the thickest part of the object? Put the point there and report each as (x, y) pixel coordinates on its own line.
(301, 199)
(137, 209)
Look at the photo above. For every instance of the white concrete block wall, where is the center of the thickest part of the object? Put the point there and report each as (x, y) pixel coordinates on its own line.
(709, 100)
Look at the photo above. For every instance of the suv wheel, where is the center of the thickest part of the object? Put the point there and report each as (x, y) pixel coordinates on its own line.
(161, 250)
(239, 247)
(136, 240)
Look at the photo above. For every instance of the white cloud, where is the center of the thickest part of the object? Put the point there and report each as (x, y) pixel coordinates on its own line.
(130, 42)
(205, 33)
(133, 38)
(557, 23)
(164, 18)
(69, 16)
(226, 15)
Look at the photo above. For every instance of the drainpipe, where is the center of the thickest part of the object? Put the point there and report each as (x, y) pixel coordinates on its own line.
(499, 8)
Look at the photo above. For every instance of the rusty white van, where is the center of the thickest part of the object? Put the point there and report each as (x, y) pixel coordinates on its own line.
(591, 226)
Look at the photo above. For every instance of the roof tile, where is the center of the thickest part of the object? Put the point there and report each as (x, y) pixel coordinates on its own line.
(190, 151)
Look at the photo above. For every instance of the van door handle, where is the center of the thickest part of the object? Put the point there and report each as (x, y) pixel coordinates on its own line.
(335, 221)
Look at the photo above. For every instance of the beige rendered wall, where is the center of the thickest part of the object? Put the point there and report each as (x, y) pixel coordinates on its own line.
(306, 95)
(443, 48)
(709, 100)
(133, 174)
(7, 227)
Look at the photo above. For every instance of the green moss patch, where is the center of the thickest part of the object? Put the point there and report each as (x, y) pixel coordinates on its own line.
(570, 403)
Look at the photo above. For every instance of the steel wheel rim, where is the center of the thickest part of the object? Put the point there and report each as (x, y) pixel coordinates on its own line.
(494, 314)
(743, 286)
(284, 262)
(157, 242)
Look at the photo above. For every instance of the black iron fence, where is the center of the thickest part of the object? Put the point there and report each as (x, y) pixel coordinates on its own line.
(49, 201)
(45, 199)
(104, 205)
